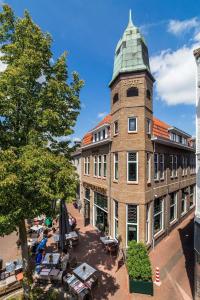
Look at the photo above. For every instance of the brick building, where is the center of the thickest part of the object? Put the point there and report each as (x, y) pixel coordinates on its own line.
(137, 172)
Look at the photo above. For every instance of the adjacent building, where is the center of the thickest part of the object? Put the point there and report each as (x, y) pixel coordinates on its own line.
(137, 172)
(197, 211)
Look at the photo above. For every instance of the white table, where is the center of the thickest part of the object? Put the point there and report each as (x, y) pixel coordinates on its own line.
(37, 228)
(55, 260)
(107, 240)
(84, 271)
(69, 236)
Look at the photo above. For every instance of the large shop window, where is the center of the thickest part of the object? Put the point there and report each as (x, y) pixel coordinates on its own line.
(132, 223)
(158, 215)
(173, 207)
(87, 207)
(184, 201)
(132, 166)
(116, 166)
(100, 212)
(115, 219)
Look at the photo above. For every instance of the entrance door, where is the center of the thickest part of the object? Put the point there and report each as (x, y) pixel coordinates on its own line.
(87, 213)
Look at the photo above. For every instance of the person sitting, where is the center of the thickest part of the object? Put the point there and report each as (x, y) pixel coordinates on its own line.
(40, 256)
(42, 244)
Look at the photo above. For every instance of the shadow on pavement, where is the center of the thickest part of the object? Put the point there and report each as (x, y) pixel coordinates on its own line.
(187, 241)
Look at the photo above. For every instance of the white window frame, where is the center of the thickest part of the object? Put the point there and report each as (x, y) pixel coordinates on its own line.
(104, 165)
(148, 214)
(116, 162)
(128, 223)
(193, 195)
(185, 202)
(116, 132)
(171, 162)
(148, 167)
(175, 161)
(162, 213)
(149, 126)
(175, 207)
(162, 162)
(99, 166)
(88, 165)
(95, 164)
(114, 216)
(127, 167)
(156, 162)
(132, 131)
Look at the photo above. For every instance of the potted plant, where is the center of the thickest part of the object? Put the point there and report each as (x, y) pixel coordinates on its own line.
(139, 269)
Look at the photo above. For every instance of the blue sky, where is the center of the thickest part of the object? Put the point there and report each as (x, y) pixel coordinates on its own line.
(90, 29)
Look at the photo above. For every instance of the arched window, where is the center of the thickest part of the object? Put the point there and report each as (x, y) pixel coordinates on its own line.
(115, 98)
(149, 94)
(132, 92)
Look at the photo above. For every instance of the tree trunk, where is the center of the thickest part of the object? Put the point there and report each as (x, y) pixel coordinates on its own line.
(25, 258)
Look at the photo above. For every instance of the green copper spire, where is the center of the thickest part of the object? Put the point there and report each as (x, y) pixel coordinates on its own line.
(131, 53)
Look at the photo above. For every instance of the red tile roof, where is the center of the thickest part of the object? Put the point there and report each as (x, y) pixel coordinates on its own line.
(160, 129)
(87, 139)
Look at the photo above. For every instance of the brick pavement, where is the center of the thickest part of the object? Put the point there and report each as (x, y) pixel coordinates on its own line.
(174, 256)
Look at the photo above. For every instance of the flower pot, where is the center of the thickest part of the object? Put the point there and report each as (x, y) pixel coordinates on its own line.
(141, 287)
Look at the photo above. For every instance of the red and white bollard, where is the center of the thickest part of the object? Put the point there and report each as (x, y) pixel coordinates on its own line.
(157, 281)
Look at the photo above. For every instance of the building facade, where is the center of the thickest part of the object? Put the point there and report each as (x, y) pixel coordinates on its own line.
(137, 172)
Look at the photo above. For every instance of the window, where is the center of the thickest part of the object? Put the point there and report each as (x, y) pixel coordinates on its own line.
(148, 126)
(95, 166)
(156, 175)
(192, 165)
(173, 207)
(104, 166)
(87, 194)
(99, 174)
(173, 137)
(162, 167)
(132, 168)
(95, 137)
(148, 94)
(115, 219)
(192, 195)
(87, 165)
(184, 165)
(132, 124)
(158, 215)
(132, 92)
(115, 98)
(101, 201)
(99, 135)
(173, 166)
(147, 239)
(104, 134)
(184, 201)
(148, 167)
(116, 162)
(132, 223)
(116, 127)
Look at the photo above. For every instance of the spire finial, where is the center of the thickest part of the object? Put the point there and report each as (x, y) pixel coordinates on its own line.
(130, 22)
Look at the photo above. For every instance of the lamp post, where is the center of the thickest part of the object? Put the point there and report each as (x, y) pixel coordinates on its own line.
(197, 210)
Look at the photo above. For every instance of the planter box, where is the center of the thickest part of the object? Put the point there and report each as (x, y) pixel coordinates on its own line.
(141, 287)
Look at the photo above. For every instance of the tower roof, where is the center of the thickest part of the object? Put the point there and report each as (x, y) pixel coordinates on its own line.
(131, 53)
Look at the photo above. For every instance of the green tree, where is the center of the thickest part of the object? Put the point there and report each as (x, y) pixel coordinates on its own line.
(37, 107)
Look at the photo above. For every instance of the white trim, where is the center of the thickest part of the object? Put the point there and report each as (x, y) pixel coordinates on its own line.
(116, 179)
(148, 155)
(137, 164)
(104, 163)
(174, 205)
(157, 161)
(162, 215)
(99, 169)
(115, 218)
(148, 223)
(137, 224)
(163, 164)
(136, 125)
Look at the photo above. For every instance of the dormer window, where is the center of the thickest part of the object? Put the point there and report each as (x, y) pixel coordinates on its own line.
(104, 134)
(99, 135)
(95, 137)
(115, 98)
(132, 92)
(148, 94)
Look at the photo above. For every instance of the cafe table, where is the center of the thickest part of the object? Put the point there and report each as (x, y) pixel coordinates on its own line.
(55, 259)
(68, 236)
(108, 240)
(84, 271)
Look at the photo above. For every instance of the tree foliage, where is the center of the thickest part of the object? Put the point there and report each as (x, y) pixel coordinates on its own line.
(138, 263)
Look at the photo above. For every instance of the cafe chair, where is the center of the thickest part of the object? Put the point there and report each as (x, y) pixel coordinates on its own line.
(73, 263)
(112, 249)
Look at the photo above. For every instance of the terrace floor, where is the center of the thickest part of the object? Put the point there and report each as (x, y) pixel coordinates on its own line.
(173, 255)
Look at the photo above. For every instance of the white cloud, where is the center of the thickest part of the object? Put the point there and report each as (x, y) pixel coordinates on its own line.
(177, 27)
(175, 73)
(101, 115)
(3, 66)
